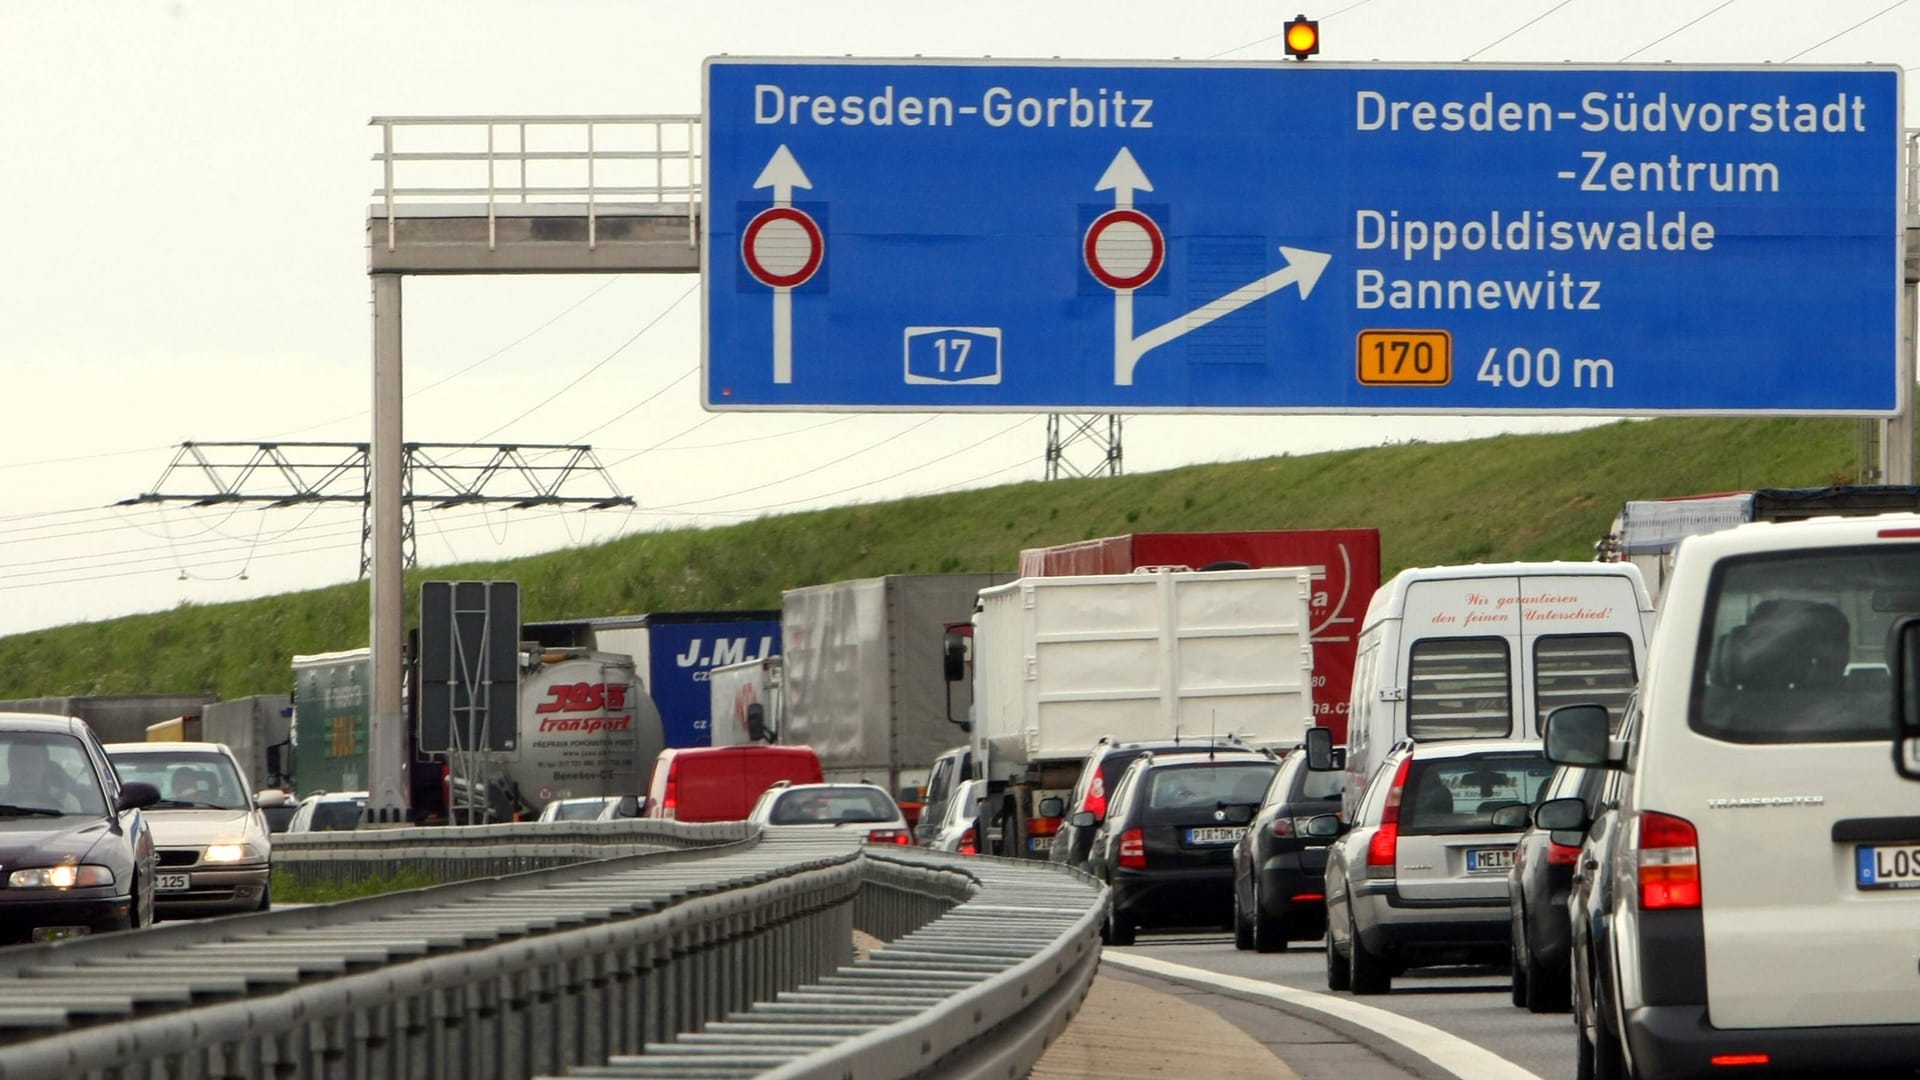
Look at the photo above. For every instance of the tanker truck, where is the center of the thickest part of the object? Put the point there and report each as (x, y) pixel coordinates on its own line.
(586, 727)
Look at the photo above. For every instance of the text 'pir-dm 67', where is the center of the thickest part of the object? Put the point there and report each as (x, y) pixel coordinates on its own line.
(1062, 236)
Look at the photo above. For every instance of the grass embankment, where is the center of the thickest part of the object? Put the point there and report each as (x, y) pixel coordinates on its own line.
(288, 891)
(1510, 497)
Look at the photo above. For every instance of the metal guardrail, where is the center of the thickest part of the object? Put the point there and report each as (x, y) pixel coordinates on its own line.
(459, 852)
(514, 164)
(735, 957)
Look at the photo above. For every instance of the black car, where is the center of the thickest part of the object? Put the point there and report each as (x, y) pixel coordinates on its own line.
(1537, 889)
(76, 854)
(1166, 847)
(1279, 873)
(1104, 764)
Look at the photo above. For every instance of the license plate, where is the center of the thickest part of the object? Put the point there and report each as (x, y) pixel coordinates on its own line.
(172, 882)
(1215, 835)
(1489, 860)
(60, 933)
(1887, 866)
(1039, 843)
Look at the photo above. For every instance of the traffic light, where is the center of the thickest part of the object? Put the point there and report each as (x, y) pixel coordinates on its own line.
(1303, 37)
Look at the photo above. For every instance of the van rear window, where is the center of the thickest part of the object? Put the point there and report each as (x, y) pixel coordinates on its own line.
(1582, 669)
(1459, 688)
(1795, 645)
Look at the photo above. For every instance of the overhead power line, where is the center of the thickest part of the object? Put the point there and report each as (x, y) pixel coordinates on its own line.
(1844, 33)
(1517, 29)
(603, 362)
(1697, 18)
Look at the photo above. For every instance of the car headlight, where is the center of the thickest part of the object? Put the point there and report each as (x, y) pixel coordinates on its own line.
(60, 877)
(232, 852)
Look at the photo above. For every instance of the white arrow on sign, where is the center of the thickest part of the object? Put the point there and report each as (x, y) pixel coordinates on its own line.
(783, 174)
(1123, 177)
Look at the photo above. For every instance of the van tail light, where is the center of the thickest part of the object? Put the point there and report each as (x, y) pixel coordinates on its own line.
(1669, 862)
(1044, 826)
(670, 802)
(1562, 854)
(890, 836)
(1133, 849)
(1385, 844)
(967, 846)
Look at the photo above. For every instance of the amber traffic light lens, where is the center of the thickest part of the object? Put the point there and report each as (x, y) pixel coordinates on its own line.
(1303, 37)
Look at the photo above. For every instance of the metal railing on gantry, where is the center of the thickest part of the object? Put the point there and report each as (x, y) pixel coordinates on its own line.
(518, 165)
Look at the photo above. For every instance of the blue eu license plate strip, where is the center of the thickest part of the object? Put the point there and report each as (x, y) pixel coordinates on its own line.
(1887, 866)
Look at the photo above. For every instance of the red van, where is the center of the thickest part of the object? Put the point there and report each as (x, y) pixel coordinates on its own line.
(720, 783)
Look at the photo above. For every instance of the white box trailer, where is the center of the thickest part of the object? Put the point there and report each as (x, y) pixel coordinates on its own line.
(732, 692)
(1061, 662)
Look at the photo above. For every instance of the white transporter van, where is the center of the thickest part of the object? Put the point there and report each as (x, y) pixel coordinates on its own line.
(1485, 651)
(1758, 893)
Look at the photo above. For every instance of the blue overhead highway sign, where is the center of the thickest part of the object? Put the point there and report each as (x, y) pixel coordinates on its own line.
(1048, 236)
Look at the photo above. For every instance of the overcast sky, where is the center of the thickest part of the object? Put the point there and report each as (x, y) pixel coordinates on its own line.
(186, 189)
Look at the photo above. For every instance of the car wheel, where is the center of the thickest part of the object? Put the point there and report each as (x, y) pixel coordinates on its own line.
(1522, 973)
(1242, 927)
(1597, 1060)
(1120, 929)
(1269, 934)
(1367, 972)
(1548, 991)
(1337, 973)
(266, 898)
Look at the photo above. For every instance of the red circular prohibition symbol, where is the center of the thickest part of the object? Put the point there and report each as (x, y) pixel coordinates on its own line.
(1157, 255)
(816, 244)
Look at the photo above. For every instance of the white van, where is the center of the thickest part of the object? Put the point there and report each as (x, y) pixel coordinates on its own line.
(1755, 898)
(1485, 651)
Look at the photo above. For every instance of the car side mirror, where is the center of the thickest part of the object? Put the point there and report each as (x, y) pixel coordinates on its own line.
(1239, 814)
(1577, 735)
(135, 794)
(757, 722)
(1561, 815)
(1082, 820)
(269, 797)
(1052, 806)
(1904, 666)
(1320, 750)
(1324, 827)
(1511, 817)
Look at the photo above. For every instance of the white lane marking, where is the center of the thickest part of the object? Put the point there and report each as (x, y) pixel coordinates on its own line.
(1452, 1053)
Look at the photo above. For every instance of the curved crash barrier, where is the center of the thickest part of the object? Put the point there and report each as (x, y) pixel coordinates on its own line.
(460, 852)
(736, 957)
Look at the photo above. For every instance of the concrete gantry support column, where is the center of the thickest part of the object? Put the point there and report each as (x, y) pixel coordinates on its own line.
(1897, 436)
(386, 719)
